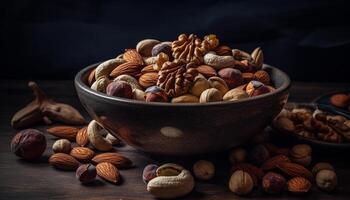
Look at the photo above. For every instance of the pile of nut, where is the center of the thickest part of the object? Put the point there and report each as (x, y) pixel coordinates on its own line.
(30, 144)
(314, 124)
(341, 100)
(274, 169)
(188, 70)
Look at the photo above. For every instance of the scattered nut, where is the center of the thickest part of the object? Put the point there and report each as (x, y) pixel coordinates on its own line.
(273, 183)
(326, 180)
(241, 183)
(149, 172)
(86, 173)
(259, 154)
(298, 185)
(97, 140)
(172, 181)
(204, 170)
(28, 144)
(62, 146)
(237, 155)
(321, 166)
(301, 154)
(210, 95)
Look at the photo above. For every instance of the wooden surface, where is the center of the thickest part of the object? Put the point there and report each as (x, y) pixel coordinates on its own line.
(38, 180)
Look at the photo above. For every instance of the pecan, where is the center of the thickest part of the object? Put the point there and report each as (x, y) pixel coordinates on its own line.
(176, 77)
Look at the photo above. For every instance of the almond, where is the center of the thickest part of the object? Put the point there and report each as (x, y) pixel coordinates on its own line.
(129, 68)
(131, 55)
(108, 172)
(64, 161)
(262, 76)
(223, 51)
(148, 69)
(295, 170)
(91, 78)
(115, 158)
(148, 79)
(274, 161)
(298, 185)
(82, 138)
(249, 168)
(206, 71)
(64, 132)
(82, 153)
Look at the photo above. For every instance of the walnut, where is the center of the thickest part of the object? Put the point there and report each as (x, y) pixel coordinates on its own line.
(192, 49)
(176, 77)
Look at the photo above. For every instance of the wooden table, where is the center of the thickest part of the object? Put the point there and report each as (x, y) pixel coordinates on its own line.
(38, 180)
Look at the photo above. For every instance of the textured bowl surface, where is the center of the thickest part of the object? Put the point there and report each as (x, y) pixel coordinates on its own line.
(184, 129)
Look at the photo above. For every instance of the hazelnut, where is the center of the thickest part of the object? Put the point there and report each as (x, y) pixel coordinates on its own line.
(149, 172)
(204, 170)
(235, 94)
(273, 183)
(321, 166)
(233, 77)
(119, 89)
(237, 155)
(259, 154)
(326, 180)
(156, 94)
(241, 183)
(210, 95)
(186, 98)
(340, 100)
(199, 85)
(28, 144)
(86, 173)
(164, 47)
(62, 146)
(262, 76)
(301, 154)
(218, 83)
(255, 88)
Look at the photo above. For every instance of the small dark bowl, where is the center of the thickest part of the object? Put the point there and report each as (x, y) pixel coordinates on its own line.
(184, 129)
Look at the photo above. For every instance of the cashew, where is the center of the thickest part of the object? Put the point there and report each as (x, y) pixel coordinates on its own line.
(172, 181)
(96, 139)
(129, 79)
(105, 68)
(101, 84)
(218, 62)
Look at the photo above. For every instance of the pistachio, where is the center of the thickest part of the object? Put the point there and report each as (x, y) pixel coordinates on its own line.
(186, 98)
(235, 94)
(100, 84)
(210, 95)
(199, 85)
(219, 84)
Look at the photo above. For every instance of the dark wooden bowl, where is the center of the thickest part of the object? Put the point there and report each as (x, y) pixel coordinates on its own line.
(184, 129)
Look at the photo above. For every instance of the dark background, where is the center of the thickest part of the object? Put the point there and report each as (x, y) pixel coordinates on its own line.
(43, 39)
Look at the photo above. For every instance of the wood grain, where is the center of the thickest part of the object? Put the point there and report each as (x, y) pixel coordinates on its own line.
(38, 180)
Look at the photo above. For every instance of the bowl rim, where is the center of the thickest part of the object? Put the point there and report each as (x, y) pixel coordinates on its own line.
(80, 84)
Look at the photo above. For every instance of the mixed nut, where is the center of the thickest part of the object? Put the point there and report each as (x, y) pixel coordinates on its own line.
(30, 144)
(314, 124)
(278, 170)
(188, 70)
